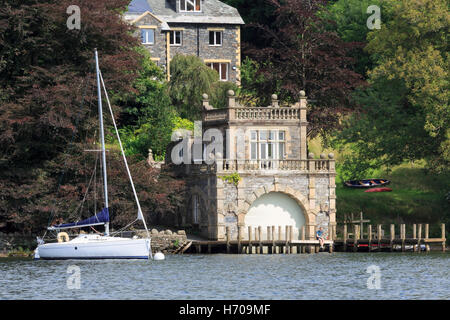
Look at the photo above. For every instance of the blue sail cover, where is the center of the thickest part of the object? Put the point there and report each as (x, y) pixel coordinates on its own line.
(100, 218)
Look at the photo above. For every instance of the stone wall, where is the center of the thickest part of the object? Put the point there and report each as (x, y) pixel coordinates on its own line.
(165, 240)
(12, 241)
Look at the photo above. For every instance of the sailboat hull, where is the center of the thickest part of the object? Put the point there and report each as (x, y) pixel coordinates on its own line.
(98, 247)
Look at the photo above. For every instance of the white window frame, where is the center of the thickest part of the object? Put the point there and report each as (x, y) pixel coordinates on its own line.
(192, 2)
(211, 65)
(215, 44)
(146, 37)
(262, 145)
(172, 35)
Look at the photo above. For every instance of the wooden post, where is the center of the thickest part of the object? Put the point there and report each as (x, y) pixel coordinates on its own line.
(228, 238)
(369, 237)
(355, 237)
(256, 240)
(345, 237)
(290, 239)
(443, 236)
(199, 248)
(392, 236)
(239, 239)
(286, 236)
(379, 232)
(419, 237)
(273, 240)
(427, 229)
(260, 250)
(414, 236)
(250, 247)
(280, 248)
(403, 235)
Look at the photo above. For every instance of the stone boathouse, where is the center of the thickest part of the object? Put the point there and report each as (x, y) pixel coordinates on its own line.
(266, 177)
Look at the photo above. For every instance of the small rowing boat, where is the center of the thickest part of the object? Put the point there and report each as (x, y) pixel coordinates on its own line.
(366, 183)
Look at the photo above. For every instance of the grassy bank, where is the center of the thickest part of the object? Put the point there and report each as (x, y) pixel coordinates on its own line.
(418, 196)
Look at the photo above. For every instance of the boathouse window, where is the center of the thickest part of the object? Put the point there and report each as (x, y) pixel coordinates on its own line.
(190, 6)
(147, 36)
(267, 144)
(176, 38)
(195, 209)
(221, 68)
(215, 38)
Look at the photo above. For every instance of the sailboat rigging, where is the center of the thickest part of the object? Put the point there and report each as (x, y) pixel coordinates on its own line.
(99, 246)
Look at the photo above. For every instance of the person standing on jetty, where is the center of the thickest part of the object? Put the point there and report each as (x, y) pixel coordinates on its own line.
(319, 236)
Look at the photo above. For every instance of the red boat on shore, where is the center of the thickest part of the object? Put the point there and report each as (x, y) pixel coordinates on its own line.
(379, 190)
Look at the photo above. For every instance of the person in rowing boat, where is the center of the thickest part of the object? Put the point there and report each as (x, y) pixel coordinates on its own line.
(319, 236)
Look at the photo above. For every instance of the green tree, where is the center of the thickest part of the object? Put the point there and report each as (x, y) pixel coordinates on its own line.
(405, 113)
(148, 116)
(190, 79)
(349, 19)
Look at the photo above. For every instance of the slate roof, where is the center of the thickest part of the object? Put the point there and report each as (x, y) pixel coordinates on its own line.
(139, 6)
(213, 12)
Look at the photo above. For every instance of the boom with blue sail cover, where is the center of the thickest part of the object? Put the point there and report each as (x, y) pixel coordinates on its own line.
(100, 218)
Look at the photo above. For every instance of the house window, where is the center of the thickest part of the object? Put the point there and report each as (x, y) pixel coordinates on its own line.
(175, 38)
(267, 145)
(148, 36)
(195, 209)
(215, 38)
(221, 68)
(190, 6)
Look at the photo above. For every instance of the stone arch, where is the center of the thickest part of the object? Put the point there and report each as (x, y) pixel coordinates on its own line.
(297, 196)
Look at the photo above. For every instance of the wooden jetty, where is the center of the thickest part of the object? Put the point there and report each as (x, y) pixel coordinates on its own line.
(277, 242)
(378, 239)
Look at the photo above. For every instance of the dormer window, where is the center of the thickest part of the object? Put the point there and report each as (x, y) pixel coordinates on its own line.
(190, 6)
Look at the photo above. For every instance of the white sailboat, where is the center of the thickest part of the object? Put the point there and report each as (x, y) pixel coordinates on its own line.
(98, 246)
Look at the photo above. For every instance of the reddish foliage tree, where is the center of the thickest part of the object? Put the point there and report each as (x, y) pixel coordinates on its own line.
(48, 103)
(301, 54)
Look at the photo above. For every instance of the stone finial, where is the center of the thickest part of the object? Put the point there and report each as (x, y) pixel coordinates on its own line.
(206, 105)
(323, 156)
(150, 154)
(331, 155)
(303, 103)
(310, 155)
(231, 99)
(274, 100)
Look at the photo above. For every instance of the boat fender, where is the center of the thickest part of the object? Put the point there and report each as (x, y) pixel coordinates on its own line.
(63, 237)
(159, 256)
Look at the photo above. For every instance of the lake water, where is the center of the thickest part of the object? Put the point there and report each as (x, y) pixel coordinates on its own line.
(232, 277)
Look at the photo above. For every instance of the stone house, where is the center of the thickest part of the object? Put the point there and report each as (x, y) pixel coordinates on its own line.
(208, 29)
(260, 175)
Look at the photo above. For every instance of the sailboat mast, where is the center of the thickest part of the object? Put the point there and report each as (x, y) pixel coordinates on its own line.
(102, 138)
